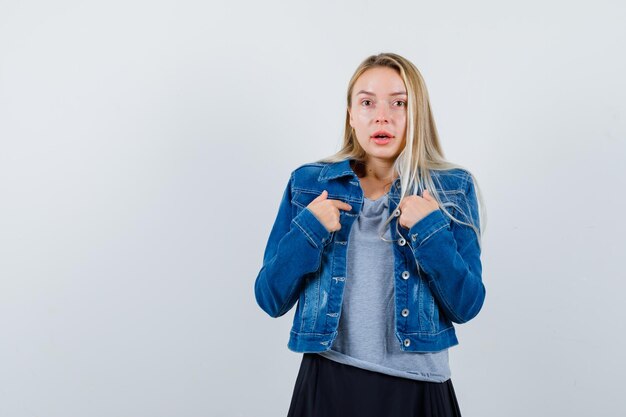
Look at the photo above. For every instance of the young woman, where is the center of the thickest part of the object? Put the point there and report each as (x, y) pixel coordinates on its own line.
(379, 245)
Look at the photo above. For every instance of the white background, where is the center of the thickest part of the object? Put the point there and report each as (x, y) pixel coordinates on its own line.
(145, 146)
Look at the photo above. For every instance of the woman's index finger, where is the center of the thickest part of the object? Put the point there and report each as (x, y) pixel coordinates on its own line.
(341, 205)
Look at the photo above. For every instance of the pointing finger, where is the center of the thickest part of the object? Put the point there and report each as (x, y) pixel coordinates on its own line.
(341, 205)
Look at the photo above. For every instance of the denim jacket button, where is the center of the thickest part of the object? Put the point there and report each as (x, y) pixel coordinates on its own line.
(405, 313)
(407, 342)
(405, 275)
(414, 237)
(402, 241)
(396, 213)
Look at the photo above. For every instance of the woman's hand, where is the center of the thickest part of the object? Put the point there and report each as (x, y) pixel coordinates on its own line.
(327, 211)
(414, 208)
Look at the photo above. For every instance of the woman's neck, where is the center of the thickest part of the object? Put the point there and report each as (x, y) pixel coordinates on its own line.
(378, 171)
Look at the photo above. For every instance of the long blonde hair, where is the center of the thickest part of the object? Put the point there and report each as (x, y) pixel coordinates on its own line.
(422, 152)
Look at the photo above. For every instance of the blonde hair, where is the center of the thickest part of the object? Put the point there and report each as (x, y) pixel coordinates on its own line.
(422, 152)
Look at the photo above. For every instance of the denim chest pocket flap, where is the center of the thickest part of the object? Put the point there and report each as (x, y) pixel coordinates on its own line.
(455, 202)
(302, 198)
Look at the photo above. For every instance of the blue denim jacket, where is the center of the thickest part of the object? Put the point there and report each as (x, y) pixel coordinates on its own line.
(437, 267)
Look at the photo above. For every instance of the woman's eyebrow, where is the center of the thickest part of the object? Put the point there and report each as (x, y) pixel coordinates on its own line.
(369, 93)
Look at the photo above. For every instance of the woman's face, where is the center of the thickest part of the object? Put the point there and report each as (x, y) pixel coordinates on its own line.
(379, 108)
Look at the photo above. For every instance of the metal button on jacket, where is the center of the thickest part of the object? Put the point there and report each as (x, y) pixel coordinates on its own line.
(405, 275)
(405, 312)
(402, 241)
(407, 342)
(396, 213)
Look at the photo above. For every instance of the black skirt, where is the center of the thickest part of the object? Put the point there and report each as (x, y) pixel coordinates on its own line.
(325, 388)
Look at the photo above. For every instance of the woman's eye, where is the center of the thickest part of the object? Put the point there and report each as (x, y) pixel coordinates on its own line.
(402, 103)
(366, 101)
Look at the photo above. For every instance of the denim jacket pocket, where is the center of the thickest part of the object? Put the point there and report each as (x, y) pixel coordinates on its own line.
(455, 202)
(303, 198)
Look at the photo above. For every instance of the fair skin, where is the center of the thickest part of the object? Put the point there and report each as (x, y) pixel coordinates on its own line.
(379, 105)
(378, 108)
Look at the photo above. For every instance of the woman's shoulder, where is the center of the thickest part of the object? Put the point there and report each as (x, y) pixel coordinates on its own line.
(320, 169)
(456, 172)
(452, 178)
(310, 167)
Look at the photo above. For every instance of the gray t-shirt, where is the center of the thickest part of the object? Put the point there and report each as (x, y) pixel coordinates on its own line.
(366, 335)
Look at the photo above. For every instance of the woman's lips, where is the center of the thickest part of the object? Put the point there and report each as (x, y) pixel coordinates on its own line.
(381, 137)
(381, 141)
(382, 133)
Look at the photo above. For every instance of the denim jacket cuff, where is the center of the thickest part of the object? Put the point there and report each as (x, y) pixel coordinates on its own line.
(428, 226)
(312, 228)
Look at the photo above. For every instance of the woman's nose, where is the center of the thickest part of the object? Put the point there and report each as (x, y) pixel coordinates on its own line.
(382, 115)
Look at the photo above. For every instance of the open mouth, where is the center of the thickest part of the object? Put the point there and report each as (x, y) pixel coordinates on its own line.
(381, 137)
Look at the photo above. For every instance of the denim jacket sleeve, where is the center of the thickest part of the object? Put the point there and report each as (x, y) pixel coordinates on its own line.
(449, 254)
(294, 249)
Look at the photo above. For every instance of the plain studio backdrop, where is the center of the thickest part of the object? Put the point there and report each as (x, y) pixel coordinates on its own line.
(145, 146)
